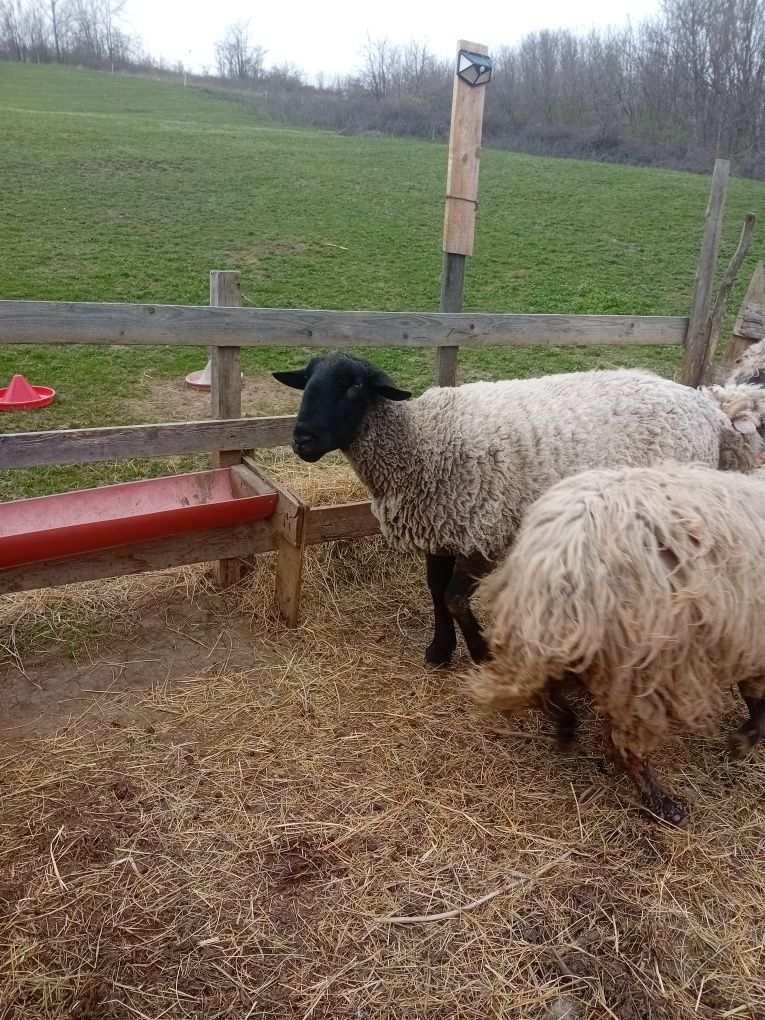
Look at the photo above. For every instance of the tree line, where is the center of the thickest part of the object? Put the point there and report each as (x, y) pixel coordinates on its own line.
(678, 89)
(81, 32)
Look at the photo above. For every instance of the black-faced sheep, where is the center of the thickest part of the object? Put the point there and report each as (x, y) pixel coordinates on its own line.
(645, 584)
(453, 472)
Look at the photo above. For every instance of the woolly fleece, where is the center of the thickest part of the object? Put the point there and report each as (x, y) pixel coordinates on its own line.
(455, 470)
(648, 583)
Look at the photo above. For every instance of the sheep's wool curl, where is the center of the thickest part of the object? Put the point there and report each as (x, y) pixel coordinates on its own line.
(648, 583)
(455, 470)
(751, 364)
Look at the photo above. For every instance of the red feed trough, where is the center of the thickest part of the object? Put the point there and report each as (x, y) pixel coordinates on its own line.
(49, 527)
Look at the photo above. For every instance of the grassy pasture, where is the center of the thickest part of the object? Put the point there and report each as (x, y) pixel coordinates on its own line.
(123, 189)
(208, 816)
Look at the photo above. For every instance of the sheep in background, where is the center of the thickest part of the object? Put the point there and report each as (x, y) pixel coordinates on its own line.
(453, 472)
(741, 447)
(749, 368)
(648, 584)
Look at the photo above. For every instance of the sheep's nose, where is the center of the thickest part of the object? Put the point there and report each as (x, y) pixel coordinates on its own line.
(304, 441)
(302, 436)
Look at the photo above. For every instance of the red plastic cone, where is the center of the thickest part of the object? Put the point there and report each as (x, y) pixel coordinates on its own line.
(20, 395)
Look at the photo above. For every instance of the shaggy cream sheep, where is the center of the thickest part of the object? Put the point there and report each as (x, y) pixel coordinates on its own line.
(453, 472)
(742, 447)
(647, 584)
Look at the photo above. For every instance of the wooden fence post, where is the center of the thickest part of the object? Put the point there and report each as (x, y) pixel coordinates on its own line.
(755, 295)
(289, 523)
(698, 325)
(226, 390)
(721, 304)
(461, 200)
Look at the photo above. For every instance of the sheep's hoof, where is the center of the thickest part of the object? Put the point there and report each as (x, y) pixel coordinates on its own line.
(479, 651)
(668, 809)
(741, 742)
(565, 737)
(439, 655)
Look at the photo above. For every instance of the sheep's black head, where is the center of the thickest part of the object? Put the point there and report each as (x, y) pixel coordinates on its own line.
(338, 391)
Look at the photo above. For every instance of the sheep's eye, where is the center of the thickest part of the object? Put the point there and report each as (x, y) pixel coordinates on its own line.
(354, 389)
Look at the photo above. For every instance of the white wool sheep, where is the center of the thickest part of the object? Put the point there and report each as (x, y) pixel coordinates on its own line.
(648, 584)
(742, 448)
(453, 472)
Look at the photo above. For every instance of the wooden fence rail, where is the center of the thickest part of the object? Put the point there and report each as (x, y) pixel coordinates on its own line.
(63, 322)
(90, 446)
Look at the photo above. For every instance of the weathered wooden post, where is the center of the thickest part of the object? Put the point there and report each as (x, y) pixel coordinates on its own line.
(698, 325)
(721, 304)
(226, 389)
(741, 338)
(472, 73)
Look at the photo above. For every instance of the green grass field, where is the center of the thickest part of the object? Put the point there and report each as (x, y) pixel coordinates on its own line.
(123, 189)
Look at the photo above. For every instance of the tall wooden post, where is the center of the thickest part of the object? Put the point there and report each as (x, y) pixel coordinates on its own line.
(701, 305)
(461, 200)
(226, 390)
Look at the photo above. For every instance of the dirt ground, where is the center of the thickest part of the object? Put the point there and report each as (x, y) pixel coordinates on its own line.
(173, 400)
(206, 815)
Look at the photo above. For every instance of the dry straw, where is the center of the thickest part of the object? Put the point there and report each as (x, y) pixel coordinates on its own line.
(312, 824)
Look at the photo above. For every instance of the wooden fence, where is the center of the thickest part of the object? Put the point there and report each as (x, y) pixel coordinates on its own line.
(226, 327)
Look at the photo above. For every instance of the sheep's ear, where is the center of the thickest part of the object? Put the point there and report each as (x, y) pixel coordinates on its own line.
(745, 422)
(296, 380)
(386, 388)
(392, 392)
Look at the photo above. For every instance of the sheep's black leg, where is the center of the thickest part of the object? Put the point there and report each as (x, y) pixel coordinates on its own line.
(656, 798)
(741, 742)
(556, 706)
(440, 570)
(468, 571)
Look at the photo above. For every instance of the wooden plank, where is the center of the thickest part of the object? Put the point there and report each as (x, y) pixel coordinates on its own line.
(461, 201)
(199, 547)
(289, 523)
(753, 322)
(226, 392)
(90, 446)
(287, 519)
(721, 304)
(289, 580)
(452, 286)
(745, 330)
(698, 324)
(345, 521)
(226, 366)
(59, 322)
(464, 160)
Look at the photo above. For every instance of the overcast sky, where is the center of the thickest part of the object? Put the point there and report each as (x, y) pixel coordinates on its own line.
(326, 35)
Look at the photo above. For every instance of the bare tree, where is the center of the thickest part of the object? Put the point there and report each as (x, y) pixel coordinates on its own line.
(236, 55)
(55, 14)
(380, 62)
(415, 68)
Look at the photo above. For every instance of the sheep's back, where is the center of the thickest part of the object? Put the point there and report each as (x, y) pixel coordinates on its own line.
(490, 449)
(649, 582)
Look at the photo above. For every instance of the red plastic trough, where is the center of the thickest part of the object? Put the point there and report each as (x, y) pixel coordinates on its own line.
(49, 527)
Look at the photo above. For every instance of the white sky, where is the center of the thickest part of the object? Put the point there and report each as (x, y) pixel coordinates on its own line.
(326, 35)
